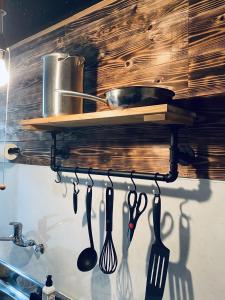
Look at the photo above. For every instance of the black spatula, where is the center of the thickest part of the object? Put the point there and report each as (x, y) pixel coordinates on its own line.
(159, 258)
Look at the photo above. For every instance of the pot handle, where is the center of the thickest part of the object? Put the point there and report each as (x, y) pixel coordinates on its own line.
(78, 94)
(82, 59)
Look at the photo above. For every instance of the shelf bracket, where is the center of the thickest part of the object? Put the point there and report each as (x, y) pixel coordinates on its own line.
(176, 155)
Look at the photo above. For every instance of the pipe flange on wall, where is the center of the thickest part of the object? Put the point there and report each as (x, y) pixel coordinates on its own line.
(11, 152)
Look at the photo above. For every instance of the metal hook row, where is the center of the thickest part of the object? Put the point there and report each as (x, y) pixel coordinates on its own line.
(157, 193)
(75, 183)
(59, 178)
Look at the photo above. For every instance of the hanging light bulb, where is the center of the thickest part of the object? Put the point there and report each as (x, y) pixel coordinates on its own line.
(4, 76)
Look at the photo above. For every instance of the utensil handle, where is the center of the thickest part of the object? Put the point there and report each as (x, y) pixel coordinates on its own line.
(88, 212)
(78, 94)
(75, 202)
(156, 216)
(139, 203)
(132, 199)
(109, 208)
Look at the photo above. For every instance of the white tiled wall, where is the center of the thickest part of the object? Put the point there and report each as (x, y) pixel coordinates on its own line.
(195, 237)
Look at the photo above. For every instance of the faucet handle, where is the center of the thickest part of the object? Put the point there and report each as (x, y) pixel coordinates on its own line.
(17, 228)
(16, 224)
(39, 248)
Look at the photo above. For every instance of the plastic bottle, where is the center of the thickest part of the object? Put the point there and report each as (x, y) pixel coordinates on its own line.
(48, 291)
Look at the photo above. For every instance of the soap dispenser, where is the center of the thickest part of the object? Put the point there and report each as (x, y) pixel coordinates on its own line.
(48, 291)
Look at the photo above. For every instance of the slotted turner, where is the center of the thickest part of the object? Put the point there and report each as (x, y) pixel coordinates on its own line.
(159, 258)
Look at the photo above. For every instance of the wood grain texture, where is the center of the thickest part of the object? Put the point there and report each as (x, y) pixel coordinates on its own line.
(206, 47)
(177, 44)
(120, 49)
(99, 6)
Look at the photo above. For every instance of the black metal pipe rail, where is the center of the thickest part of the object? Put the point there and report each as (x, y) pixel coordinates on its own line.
(169, 177)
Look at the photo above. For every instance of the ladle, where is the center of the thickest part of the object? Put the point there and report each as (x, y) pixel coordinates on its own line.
(88, 257)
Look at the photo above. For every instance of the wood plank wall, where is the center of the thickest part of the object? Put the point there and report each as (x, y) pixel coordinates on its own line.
(177, 44)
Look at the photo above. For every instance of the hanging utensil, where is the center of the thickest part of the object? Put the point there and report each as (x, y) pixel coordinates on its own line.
(134, 204)
(130, 96)
(88, 257)
(135, 210)
(103, 290)
(108, 257)
(75, 193)
(159, 258)
(166, 219)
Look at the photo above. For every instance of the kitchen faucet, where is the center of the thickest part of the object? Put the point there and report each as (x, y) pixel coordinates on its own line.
(18, 239)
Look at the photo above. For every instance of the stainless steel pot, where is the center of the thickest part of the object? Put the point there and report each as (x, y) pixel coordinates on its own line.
(61, 71)
(128, 96)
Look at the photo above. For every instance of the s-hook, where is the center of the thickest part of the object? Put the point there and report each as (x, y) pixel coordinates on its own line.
(75, 192)
(92, 181)
(156, 193)
(110, 178)
(76, 182)
(59, 179)
(134, 185)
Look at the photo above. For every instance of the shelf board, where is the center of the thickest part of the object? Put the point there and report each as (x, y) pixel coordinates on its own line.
(160, 114)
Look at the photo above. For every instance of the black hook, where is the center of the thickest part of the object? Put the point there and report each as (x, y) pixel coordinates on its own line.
(59, 179)
(77, 179)
(92, 182)
(159, 191)
(76, 183)
(110, 178)
(131, 177)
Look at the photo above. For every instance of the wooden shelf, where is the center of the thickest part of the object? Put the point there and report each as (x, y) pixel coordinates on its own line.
(160, 114)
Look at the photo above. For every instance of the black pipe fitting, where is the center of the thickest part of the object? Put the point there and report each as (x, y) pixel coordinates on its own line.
(171, 176)
(15, 150)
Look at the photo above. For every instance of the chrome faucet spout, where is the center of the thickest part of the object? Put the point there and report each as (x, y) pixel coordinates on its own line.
(18, 239)
(7, 239)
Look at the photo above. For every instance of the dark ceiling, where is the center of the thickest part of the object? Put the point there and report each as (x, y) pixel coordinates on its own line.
(27, 17)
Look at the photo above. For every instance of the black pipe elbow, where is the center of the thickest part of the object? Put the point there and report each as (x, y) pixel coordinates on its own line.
(171, 176)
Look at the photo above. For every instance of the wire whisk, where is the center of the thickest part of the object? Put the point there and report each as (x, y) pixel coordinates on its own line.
(108, 258)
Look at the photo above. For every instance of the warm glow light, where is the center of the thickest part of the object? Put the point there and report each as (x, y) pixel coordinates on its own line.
(4, 75)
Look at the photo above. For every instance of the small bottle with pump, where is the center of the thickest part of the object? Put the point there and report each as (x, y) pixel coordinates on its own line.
(48, 291)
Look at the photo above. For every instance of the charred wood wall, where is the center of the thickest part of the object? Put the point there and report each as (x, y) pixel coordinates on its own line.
(177, 44)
